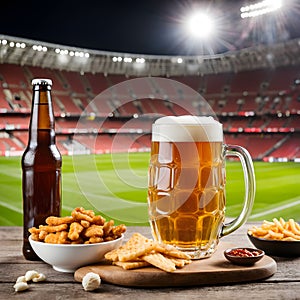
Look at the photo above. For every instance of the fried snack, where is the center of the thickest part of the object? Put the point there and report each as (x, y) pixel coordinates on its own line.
(52, 229)
(43, 230)
(54, 221)
(99, 220)
(118, 230)
(140, 249)
(107, 227)
(82, 227)
(57, 238)
(94, 239)
(277, 230)
(43, 234)
(85, 224)
(93, 230)
(35, 237)
(89, 213)
(79, 214)
(75, 230)
(34, 231)
(79, 241)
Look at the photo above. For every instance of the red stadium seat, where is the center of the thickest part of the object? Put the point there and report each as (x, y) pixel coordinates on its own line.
(259, 109)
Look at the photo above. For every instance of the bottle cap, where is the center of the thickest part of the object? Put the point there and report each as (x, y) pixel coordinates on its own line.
(39, 81)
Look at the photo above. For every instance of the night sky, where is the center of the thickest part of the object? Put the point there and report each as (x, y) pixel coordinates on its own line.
(147, 27)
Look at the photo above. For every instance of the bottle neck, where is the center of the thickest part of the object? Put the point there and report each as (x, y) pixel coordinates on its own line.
(41, 128)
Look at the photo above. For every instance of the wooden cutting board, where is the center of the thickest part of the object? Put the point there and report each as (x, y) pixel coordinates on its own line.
(214, 270)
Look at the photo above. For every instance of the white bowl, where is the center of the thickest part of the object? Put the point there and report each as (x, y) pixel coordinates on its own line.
(69, 257)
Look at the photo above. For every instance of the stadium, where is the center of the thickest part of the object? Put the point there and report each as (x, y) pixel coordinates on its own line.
(106, 101)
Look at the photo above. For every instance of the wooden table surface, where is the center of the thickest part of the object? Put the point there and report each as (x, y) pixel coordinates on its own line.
(284, 284)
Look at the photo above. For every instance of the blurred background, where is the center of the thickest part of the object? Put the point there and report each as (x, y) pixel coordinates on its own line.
(118, 66)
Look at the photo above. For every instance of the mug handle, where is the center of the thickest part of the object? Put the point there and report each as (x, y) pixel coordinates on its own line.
(249, 178)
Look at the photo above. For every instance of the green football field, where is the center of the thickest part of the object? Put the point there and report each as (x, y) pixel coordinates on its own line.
(116, 186)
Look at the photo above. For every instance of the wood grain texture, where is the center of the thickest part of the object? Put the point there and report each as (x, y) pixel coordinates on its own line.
(284, 284)
(214, 270)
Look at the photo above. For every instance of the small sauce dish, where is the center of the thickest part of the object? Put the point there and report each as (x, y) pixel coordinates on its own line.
(244, 256)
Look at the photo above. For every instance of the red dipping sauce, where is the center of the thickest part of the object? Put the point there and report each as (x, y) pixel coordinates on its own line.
(242, 252)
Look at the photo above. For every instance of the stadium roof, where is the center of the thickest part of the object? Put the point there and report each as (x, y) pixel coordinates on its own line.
(148, 27)
(22, 51)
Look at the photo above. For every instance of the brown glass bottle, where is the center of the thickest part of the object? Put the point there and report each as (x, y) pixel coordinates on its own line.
(41, 165)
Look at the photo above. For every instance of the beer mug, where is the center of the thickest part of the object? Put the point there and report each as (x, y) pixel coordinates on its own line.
(186, 189)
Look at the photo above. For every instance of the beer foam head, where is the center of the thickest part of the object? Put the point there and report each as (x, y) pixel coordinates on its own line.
(187, 129)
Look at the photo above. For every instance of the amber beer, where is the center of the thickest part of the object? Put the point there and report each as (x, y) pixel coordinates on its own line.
(41, 165)
(186, 194)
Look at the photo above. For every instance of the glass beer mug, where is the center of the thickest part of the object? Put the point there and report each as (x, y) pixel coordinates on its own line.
(186, 189)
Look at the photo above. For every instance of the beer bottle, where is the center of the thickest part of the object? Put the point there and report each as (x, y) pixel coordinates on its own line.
(41, 165)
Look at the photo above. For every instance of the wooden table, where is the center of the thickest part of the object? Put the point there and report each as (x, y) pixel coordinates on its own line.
(284, 284)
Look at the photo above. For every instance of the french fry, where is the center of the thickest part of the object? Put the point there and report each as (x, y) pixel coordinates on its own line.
(277, 230)
(291, 234)
(293, 227)
(278, 225)
(276, 235)
(282, 222)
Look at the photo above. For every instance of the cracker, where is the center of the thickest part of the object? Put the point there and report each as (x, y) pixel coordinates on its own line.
(160, 261)
(140, 251)
(137, 246)
(129, 265)
(172, 251)
(179, 262)
(113, 254)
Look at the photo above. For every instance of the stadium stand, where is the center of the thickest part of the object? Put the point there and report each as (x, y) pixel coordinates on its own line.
(259, 109)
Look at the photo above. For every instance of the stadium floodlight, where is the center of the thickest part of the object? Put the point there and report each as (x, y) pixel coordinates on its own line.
(200, 25)
(140, 60)
(260, 8)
